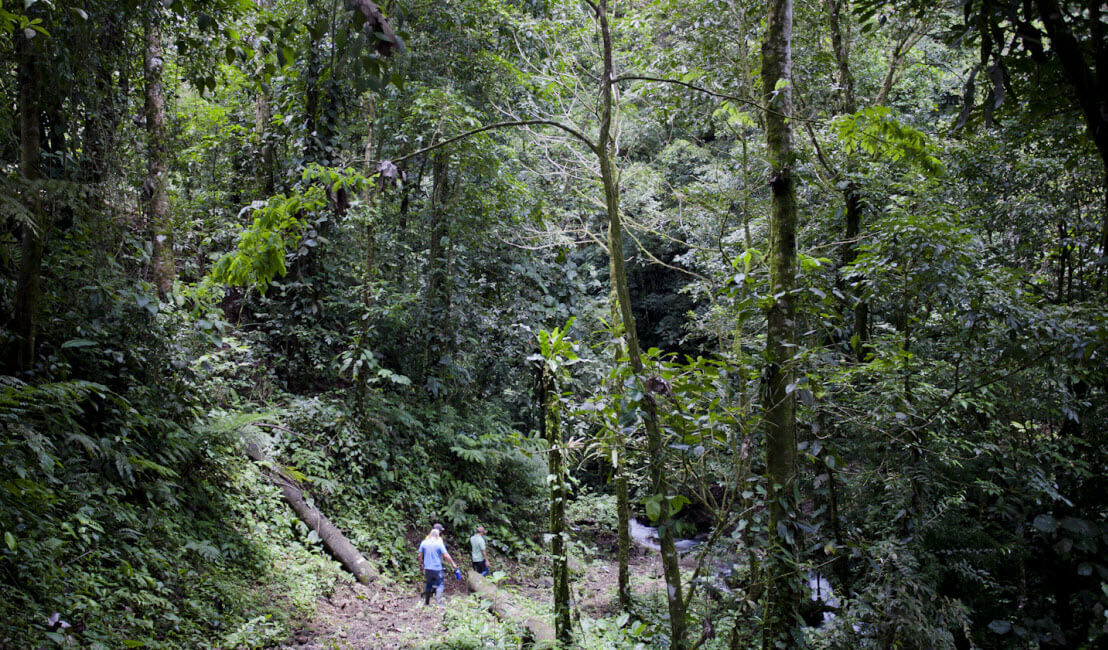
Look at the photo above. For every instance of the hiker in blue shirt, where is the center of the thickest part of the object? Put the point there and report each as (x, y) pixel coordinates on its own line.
(432, 550)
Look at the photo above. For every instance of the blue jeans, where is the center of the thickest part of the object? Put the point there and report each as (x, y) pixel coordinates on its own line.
(434, 582)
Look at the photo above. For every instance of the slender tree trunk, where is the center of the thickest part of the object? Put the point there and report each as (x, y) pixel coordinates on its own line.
(370, 199)
(1089, 84)
(623, 502)
(853, 214)
(623, 513)
(605, 151)
(558, 548)
(154, 189)
(898, 53)
(782, 594)
(262, 116)
(101, 123)
(263, 113)
(34, 234)
(852, 204)
(438, 291)
(840, 43)
(313, 145)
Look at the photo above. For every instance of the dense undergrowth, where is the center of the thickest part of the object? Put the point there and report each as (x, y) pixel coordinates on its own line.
(130, 516)
(110, 544)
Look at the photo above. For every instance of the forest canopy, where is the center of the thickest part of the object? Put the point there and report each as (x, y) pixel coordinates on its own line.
(814, 291)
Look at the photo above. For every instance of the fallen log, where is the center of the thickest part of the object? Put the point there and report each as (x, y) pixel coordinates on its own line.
(333, 540)
(540, 633)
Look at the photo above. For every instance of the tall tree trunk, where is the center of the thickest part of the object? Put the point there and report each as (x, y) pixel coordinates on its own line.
(101, 123)
(840, 43)
(262, 116)
(559, 550)
(1090, 85)
(623, 520)
(154, 189)
(623, 501)
(263, 113)
(782, 594)
(852, 204)
(438, 276)
(605, 151)
(370, 198)
(34, 233)
(852, 209)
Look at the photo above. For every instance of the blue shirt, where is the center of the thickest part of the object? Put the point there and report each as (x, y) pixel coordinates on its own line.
(432, 552)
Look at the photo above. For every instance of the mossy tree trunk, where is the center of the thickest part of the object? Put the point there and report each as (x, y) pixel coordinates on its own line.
(781, 597)
(34, 230)
(852, 201)
(559, 551)
(623, 500)
(154, 190)
(605, 151)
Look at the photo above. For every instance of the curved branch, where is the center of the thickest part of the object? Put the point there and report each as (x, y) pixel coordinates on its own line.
(499, 125)
(706, 91)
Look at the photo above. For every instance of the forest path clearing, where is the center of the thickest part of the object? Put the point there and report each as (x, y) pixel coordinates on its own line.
(388, 614)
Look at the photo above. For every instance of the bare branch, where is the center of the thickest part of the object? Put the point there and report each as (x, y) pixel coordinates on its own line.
(499, 125)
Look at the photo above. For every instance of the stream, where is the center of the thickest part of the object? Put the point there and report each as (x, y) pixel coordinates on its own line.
(818, 586)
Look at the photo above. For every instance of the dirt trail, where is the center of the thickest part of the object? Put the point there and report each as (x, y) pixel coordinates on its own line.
(392, 615)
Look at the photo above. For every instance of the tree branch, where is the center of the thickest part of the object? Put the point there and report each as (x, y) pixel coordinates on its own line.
(499, 125)
(706, 91)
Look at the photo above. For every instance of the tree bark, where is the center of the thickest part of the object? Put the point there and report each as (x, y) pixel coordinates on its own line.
(852, 204)
(438, 276)
(541, 633)
(623, 517)
(1090, 86)
(852, 208)
(154, 189)
(623, 500)
(559, 551)
(102, 121)
(782, 594)
(605, 151)
(370, 198)
(262, 116)
(27, 291)
(333, 540)
(841, 45)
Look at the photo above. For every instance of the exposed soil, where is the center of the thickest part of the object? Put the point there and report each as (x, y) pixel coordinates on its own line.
(388, 614)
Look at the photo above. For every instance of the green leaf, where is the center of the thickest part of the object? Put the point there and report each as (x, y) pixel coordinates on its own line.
(1045, 524)
(78, 343)
(1000, 627)
(676, 503)
(10, 540)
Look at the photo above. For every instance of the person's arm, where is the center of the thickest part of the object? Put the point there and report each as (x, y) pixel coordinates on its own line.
(419, 560)
(449, 559)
